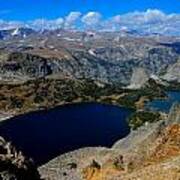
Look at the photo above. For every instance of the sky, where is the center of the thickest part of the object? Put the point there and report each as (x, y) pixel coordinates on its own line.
(145, 15)
(51, 9)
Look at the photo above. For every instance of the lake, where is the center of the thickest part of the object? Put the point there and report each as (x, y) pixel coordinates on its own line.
(164, 105)
(46, 134)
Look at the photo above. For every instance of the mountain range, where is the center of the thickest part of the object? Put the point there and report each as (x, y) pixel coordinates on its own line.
(108, 57)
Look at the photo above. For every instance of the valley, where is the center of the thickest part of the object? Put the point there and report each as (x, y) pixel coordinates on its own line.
(106, 85)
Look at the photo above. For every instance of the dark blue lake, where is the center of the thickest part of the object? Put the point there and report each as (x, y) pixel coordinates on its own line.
(164, 104)
(44, 135)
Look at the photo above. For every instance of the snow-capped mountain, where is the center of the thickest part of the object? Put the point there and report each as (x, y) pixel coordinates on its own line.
(6, 34)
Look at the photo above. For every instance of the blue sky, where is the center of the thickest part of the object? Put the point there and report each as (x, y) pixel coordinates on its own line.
(146, 16)
(50, 9)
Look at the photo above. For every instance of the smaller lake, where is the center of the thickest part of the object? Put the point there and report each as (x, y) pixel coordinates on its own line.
(43, 135)
(164, 105)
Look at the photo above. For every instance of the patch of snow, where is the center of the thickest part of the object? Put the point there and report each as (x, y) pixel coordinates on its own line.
(15, 32)
(24, 36)
(155, 77)
(70, 39)
(91, 51)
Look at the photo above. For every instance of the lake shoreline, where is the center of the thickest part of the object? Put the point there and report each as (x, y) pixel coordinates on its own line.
(88, 123)
(48, 93)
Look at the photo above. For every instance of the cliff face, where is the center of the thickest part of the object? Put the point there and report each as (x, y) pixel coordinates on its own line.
(173, 73)
(151, 152)
(174, 115)
(138, 79)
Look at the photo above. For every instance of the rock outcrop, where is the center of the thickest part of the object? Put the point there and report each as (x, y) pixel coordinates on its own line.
(138, 79)
(14, 165)
(173, 73)
(174, 115)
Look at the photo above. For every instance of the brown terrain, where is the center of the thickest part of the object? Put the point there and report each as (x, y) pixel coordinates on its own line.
(162, 161)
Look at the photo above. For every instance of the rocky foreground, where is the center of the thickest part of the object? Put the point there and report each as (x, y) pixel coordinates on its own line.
(151, 152)
(14, 165)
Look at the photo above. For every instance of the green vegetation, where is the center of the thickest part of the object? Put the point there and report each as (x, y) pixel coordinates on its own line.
(140, 117)
(16, 103)
(48, 93)
(173, 86)
(151, 92)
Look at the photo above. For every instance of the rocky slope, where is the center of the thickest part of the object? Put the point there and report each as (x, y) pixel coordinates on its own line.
(138, 79)
(14, 165)
(173, 73)
(14, 33)
(153, 151)
(105, 59)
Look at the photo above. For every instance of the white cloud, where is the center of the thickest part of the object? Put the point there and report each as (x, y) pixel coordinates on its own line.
(154, 15)
(68, 22)
(91, 18)
(71, 19)
(10, 24)
(39, 24)
(149, 16)
(150, 21)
